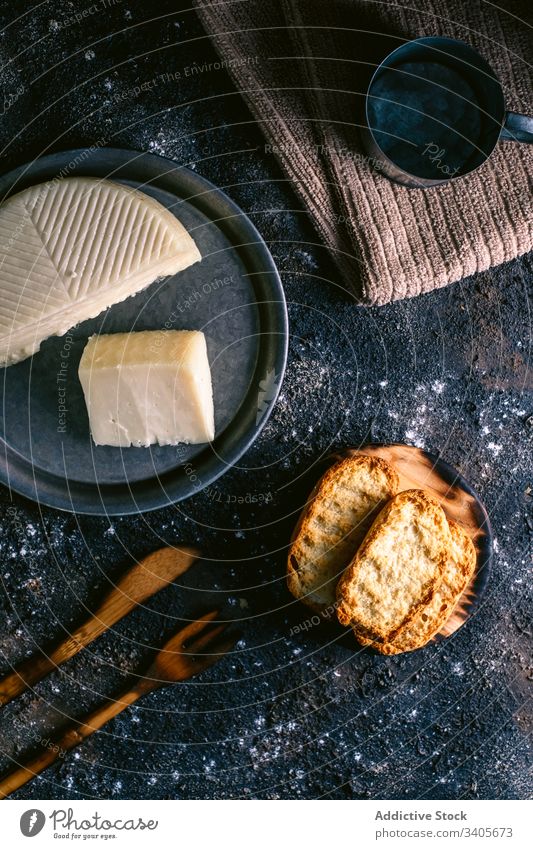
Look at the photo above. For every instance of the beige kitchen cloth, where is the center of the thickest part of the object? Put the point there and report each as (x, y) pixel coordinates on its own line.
(303, 67)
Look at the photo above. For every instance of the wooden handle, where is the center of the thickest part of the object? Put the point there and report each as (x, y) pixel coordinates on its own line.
(138, 584)
(74, 735)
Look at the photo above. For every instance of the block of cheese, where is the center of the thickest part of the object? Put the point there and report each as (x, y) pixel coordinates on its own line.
(71, 248)
(148, 388)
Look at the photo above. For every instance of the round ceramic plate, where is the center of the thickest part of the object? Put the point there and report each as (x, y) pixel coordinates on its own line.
(234, 295)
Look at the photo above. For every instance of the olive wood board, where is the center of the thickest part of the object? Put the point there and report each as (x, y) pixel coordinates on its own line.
(418, 469)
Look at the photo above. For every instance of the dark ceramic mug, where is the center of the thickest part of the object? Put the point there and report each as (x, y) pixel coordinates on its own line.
(435, 111)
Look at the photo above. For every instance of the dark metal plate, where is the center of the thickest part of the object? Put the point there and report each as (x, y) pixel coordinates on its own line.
(234, 295)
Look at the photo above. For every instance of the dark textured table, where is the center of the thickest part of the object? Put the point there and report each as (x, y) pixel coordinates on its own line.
(293, 713)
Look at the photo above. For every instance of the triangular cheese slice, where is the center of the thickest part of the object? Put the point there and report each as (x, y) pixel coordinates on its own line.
(71, 248)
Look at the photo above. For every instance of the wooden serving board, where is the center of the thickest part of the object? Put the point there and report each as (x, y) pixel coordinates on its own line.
(418, 469)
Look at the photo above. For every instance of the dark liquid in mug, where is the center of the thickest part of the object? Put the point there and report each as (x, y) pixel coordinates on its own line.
(426, 118)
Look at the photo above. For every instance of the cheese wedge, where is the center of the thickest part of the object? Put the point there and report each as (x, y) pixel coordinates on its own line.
(71, 248)
(148, 388)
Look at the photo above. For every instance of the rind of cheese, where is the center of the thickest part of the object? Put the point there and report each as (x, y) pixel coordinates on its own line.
(148, 388)
(71, 248)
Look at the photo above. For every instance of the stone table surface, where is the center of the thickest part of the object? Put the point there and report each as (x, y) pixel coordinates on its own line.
(293, 713)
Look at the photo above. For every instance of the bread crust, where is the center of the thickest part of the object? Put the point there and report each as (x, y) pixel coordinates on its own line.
(397, 569)
(332, 525)
(459, 571)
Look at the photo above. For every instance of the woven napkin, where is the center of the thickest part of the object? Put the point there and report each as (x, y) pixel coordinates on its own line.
(303, 66)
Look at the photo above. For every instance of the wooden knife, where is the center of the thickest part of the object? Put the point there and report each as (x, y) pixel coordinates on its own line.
(138, 584)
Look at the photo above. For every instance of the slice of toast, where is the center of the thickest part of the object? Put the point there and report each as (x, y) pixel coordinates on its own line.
(398, 568)
(333, 523)
(458, 573)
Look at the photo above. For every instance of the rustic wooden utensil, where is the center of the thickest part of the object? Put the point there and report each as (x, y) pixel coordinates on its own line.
(189, 652)
(138, 584)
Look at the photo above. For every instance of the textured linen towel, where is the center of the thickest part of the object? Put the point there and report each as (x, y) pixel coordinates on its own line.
(303, 67)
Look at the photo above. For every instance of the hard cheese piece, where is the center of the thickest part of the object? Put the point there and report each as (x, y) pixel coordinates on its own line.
(148, 388)
(69, 249)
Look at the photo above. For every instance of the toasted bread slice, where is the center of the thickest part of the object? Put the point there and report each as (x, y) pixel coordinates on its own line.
(333, 523)
(398, 568)
(458, 573)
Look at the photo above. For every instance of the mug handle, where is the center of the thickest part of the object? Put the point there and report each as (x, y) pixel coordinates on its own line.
(517, 128)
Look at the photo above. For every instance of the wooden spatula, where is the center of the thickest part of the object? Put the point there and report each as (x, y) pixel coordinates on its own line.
(194, 648)
(138, 584)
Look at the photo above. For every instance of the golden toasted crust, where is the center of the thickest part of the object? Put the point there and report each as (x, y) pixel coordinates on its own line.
(332, 525)
(398, 568)
(459, 570)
